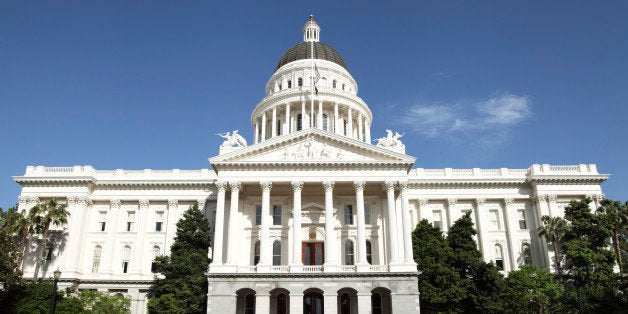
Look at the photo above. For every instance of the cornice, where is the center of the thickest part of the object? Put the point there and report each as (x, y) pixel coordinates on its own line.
(254, 276)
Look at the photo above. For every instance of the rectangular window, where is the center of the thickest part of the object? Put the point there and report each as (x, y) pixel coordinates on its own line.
(348, 215)
(102, 220)
(125, 267)
(96, 260)
(277, 215)
(299, 122)
(437, 219)
(159, 221)
(494, 219)
(522, 219)
(130, 220)
(48, 253)
(258, 215)
(367, 214)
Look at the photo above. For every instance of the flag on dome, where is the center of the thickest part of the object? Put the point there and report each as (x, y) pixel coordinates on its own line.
(317, 76)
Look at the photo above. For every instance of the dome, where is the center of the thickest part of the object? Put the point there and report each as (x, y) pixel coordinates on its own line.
(304, 51)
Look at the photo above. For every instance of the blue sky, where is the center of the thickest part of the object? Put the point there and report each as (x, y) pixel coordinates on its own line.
(135, 85)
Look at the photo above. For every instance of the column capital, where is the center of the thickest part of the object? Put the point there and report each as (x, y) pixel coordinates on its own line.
(389, 185)
(403, 185)
(72, 200)
(144, 203)
(297, 185)
(328, 185)
(480, 201)
(598, 197)
(509, 201)
(540, 198)
(451, 201)
(235, 185)
(423, 201)
(201, 203)
(359, 185)
(221, 185)
(551, 198)
(115, 203)
(173, 203)
(266, 186)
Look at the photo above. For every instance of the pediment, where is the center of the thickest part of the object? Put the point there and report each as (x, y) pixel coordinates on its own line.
(312, 146)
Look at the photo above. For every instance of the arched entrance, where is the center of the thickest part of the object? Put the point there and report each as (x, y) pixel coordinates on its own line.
(280, 301)
(380, 301)
(313, 302)
(245, 301)
(347, 301)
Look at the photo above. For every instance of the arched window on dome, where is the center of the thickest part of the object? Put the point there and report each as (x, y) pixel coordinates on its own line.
(300, 81)
(289, 83)
(344, 127)
(279, 85)
(299, 122)
(324, 121)
(278, 127)
(343, 86)
(333, 84)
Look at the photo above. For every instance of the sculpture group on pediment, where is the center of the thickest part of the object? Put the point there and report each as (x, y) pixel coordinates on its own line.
(232, 139)
(390, 140)
(311, 149)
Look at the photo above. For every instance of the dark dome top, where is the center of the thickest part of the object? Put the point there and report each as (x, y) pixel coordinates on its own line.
(304, 51)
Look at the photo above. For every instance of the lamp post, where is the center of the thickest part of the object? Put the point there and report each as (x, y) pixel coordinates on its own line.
(53, 305)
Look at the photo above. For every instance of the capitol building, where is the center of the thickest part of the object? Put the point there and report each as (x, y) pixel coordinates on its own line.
(310, 214)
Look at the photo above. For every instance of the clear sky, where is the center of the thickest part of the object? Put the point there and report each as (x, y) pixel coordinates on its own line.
(147, 84)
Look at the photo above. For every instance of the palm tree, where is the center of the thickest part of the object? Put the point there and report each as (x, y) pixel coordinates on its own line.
(616, 215)
(553, 228)
(43, 215)
(14, 223)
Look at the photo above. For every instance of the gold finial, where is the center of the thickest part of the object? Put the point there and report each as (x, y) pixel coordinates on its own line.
(311, 17)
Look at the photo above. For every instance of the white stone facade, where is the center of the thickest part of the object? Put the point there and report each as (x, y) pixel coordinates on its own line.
(310, 215)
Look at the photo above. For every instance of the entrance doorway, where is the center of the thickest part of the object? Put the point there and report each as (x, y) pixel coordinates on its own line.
(313, 303)
(313, 253)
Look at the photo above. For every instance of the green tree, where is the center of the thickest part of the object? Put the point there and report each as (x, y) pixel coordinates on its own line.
(104, 303)
(531, 290)
(44, 215)
(183, 288)
(439, 283)
(10, 275)
(616, 215)
(14, 223)
(482, 281)
(553, 229)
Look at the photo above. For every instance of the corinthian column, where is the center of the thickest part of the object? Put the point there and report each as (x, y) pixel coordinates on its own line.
(265, 256)
(405, 216)
(297, 186)
(233, 215)
(330, 257)
(220, 223)
(393, 237)
(361, 238)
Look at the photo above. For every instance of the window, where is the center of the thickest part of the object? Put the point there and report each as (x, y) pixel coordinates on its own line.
(349, 253)
(344, 127)
(333, 84)
(324, 121)
(376, 303)
(526, 252)
(348, 214)
(258, 215)
(277, 215)
(369, 257)
(249, 304)
(300, 82)
(102, 220)
(499, 257)
(494, 219)
(278, 127)
(345, 303)
(256, 253)
(289, 84)
(279, 85)
(159, 221)
(299, 122)
(437, 219)
(126, 257)
(48, 252)
(130, 219)
(282, 304)
(522, 219)
(153, 265)
(367, 214)
(343, 86)
(96, 259)
(277, 253)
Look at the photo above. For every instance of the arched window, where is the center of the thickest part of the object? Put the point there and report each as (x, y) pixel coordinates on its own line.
(96, 260)
(345, 303)
(343, 86)
(258, 215)
(526, 253)
(348, 214)
(313, 303)
(279, 85)
(499, 257)
(376, 303)
(277, 253)
(282, 304)
(324, 121)
(278, 127)
(300, 82)
(277, 215)
(153, 265)
(299, 122)
(344, 127)
(333, 84)
(289, 84)
(126, 257)
(349, 253)
(256, 253)
(249, 304)
(369, 257)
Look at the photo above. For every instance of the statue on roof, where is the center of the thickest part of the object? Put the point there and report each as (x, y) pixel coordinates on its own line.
(232, 139)
(391, 140)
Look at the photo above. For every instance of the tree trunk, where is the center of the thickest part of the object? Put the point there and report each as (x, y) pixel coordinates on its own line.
(20, 252)
(618, 252)
(42, 247)
(556, 257)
